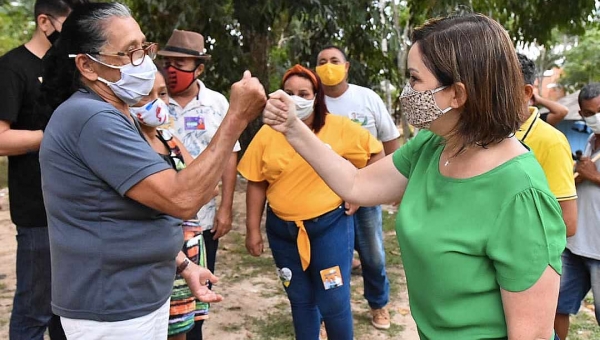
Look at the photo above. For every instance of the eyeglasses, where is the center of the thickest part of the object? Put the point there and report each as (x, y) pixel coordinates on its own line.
(136, 56)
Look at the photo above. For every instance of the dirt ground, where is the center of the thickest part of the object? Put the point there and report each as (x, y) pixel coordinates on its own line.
(255, 306)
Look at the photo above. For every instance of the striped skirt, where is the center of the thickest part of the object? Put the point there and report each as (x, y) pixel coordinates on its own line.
(185, 308)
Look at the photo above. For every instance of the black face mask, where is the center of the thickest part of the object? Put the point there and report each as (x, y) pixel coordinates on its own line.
(53, 37)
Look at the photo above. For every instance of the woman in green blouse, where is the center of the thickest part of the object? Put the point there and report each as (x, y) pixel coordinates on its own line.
(480, 232)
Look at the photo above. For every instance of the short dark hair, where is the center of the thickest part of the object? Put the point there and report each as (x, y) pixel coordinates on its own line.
(589, 92)
(56, 8)
(334, 47)
(320, 105)
(476, 51)
(527, 68)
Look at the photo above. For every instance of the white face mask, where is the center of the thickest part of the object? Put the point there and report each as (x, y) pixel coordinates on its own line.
(593, 122)
(304, 107)
(155, 113)
(136, 81)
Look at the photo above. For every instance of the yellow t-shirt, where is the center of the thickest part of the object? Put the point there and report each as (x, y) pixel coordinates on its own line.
(553, 152)
(295, 191)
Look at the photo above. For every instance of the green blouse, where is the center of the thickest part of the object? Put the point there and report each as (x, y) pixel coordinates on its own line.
(464, 239)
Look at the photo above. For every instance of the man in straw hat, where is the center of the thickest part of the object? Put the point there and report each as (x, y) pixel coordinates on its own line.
(196, 113)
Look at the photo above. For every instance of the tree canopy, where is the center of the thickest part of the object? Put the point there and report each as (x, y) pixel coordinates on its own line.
(582, 61)
(269, 36)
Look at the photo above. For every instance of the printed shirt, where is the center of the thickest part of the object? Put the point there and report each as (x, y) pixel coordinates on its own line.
(463, 240)
(551, 149)
(195, 125)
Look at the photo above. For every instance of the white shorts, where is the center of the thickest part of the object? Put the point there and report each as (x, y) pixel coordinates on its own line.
(148, 327)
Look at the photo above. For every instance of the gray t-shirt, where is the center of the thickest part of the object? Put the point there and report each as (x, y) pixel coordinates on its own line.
(586, 241)
(112, 258)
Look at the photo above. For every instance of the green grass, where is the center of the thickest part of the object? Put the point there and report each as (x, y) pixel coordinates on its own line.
(273, 326)
(247, 265)
(392, 250)
(3, 172)
(362, 327)
(583, 327)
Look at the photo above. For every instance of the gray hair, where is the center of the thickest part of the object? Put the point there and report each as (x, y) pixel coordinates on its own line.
(588, 92)
(94, 25)
(84, 31)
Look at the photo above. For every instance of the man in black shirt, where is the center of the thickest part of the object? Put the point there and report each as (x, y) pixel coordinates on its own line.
(21, 124)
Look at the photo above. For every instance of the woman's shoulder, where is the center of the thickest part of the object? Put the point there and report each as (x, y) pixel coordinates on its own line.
(83, 105)
(425, 140)
(522, 174)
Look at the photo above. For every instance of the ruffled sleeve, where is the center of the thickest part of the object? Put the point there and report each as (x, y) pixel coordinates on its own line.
(529, 235)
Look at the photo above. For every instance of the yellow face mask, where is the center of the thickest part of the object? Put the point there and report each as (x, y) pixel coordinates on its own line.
(331, 74)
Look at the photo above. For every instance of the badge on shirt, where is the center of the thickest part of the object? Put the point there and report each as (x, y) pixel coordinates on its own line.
(194, 123)
(331, 277)
(285, 275)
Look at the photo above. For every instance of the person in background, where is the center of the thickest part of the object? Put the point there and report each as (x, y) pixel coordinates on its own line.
(477, 223)
(196, 114)
(557, 111)
(552, 150)
(115, 229)
(310, 233)
(581, 259)
(364, 107)
(151, 112)
(22, 119)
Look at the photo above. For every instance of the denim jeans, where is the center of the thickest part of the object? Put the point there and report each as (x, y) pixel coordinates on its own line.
(332, 243)
(368, 229)
(579, 275)
(32, 313)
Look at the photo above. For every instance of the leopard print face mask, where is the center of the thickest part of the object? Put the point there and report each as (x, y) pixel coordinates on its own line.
(420, 106)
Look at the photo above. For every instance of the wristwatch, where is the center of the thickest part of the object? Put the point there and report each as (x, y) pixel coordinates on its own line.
(181, 267)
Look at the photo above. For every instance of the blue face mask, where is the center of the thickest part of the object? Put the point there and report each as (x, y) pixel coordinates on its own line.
(135, 83)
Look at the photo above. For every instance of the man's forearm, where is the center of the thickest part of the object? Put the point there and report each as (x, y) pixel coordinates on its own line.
(19, 142)
(255, 205)
(595, 179)
(195, 184)
(391, 146)
(228, 181)
(557, 110)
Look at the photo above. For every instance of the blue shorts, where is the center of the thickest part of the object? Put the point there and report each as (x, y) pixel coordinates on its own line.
(579, 275)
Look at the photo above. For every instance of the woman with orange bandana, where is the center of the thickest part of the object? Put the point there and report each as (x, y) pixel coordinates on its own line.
(310, 232)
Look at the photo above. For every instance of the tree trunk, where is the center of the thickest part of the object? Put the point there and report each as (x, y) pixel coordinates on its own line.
(542, 67)
(401, 63)
(258, 44)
